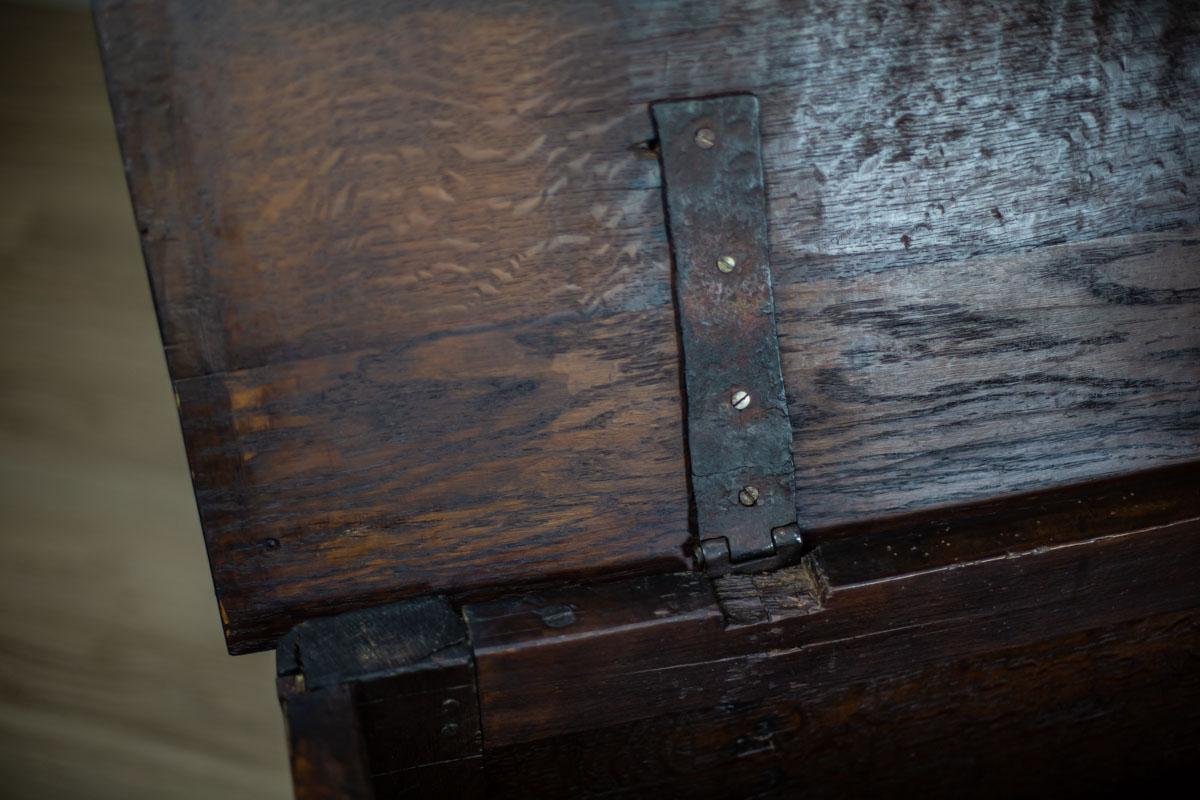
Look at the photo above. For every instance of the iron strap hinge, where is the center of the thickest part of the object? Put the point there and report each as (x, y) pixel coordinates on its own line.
(738, 428)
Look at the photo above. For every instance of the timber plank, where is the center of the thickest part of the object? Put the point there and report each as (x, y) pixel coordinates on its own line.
(858, 619)
(374, 163)
(349, 470)
(952, 382)
(326, 745)
(396, 686)
(1082, 714)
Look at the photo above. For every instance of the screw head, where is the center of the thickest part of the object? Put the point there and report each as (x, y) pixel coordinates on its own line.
(706, 138)
(726, 263)
(740, 400)
(748, 496)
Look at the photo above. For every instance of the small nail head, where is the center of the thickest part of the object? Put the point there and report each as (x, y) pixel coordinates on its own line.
(748, 496)
(706, 138)
(558, 616)
(740, 400)
(726, 263)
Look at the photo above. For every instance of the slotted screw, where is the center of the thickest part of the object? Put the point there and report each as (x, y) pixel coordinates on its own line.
(748, 496)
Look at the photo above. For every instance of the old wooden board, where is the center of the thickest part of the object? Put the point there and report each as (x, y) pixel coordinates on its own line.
(414, 283)
(401, 680)
(956, 381)
(894, 664)
(1072, 716)
(923, 656)
(856, 608)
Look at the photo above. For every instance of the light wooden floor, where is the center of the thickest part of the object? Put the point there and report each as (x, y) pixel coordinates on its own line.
(114, 680)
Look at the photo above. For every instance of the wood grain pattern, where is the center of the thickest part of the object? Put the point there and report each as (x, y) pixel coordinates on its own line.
(956, 381)
(851, 614)
(1079, 715)
(339, 179)
(1059, 631)
(557, 415)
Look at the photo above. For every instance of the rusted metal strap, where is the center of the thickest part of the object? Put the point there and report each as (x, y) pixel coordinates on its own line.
(739, 433)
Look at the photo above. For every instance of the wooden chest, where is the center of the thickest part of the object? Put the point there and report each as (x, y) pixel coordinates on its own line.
(706, 399)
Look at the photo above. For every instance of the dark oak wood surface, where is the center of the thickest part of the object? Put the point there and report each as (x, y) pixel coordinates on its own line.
(856, 607)
(922, 657)
(397, 682)
(512, 450)
(326, 767)
(886, 666)
(956, 381)
(1080, 715)
(414, 284)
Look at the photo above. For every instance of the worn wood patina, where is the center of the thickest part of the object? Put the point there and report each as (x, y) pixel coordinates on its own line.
(412, 269)
(414, 274)
(1059, 631)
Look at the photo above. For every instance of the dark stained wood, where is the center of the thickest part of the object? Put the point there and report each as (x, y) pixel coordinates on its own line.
(845, 616)
(424, 736)
(643, 607)
(357, 119)
(1059, 632)
(300, 504)
(373, 289)
(997, 527)
(1106, 711)
(404, 680)
(954, 381)
(378, 640)
(414, 285)
(325, 742)
(415, 290)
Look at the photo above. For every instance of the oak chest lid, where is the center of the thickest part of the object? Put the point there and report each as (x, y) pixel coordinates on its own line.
(414, 280)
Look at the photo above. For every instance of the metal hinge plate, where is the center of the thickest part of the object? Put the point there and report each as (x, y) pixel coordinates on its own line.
(739, 432)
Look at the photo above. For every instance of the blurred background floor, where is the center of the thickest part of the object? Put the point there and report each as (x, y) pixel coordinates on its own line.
(114, 680)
